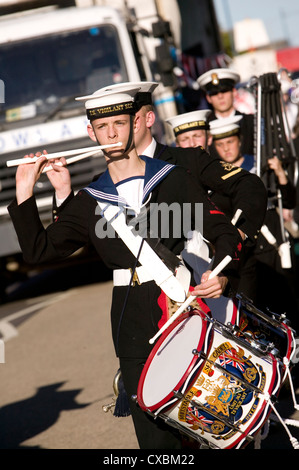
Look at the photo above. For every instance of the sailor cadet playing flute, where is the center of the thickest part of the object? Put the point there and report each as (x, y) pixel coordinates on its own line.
(102, 213)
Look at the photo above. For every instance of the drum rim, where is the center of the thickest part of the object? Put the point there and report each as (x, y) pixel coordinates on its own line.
(152, 354)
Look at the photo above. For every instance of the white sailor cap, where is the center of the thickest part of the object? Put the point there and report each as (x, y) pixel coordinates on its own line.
(145, 87)
(225, 127)
(218, 80)
(103, 103)
(189, 121)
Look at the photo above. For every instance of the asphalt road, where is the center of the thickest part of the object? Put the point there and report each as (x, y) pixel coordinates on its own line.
(58, 372)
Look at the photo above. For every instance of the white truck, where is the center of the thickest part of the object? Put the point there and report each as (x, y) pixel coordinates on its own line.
(48, 57)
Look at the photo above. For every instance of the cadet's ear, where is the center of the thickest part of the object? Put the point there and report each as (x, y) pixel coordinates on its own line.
(137, 123)
(150, 118)
(91, 132)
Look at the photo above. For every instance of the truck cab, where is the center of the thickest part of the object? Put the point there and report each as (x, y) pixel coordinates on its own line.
(47, 58)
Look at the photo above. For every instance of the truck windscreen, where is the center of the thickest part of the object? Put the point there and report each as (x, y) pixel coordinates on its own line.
(43, 76)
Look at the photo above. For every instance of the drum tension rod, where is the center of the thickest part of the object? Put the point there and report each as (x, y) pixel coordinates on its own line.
(268, 348)
(231, 374)
(227, 331)
(273, 318)
(187, 432)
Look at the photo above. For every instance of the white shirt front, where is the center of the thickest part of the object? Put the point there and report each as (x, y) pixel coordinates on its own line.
(131, 190)
(150, 150)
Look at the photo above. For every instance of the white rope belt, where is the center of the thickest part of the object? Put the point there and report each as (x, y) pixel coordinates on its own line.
(122, 277)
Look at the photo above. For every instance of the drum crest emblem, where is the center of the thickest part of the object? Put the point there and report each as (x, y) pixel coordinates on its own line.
(223, 394)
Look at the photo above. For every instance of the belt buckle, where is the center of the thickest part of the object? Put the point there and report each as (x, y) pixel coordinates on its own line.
(135, 277)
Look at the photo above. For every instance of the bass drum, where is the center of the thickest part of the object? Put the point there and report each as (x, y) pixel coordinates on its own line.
(210, 385)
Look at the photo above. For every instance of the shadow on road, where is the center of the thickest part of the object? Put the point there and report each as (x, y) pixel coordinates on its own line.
(25, 419)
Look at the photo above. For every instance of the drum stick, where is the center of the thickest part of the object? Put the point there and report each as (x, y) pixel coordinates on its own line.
(236, 216)
(190, 299)
(66, 153)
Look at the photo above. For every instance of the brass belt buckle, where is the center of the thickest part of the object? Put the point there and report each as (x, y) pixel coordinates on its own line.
(135, 277)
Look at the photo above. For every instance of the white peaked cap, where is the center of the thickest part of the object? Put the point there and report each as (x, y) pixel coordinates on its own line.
(188, 121)
(214, 77)
(224, 127)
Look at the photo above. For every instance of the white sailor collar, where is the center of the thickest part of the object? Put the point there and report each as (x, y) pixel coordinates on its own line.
(103, 189)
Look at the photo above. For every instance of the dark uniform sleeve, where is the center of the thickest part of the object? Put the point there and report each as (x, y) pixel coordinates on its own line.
(245, 190)
(57, 240)
(247, 132)
(288, 195)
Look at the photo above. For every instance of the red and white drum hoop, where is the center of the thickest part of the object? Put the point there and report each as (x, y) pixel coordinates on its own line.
(188, 333)
(206, 383)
